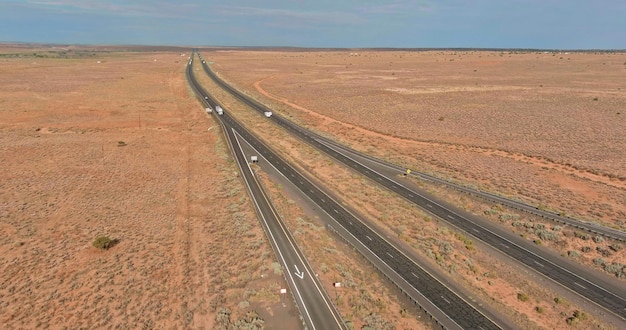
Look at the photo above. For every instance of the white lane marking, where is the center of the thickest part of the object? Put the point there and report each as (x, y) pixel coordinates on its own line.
(451, 217)
(448, 301)
(299, 273)
(414, 275)
(540, 264)
(429, 206)
(389, 254)
(336, 211)
(365, 235)
(506, 246)
(476, 230)
(580, 285)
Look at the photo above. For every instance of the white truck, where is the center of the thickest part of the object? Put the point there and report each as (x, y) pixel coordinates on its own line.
(219, 110)
(268, 114)
(208, 110)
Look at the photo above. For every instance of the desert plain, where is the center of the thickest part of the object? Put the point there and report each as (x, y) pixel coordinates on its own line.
(111, 141)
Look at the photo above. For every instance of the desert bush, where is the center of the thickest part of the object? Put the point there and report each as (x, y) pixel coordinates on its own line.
(615, 247)
(250, 321)
(539, 309)
(581, 235)
(537, 241)
(490, 212)
(572, 321)
(102, 242)
(585, 249)
(507, 217)
(603, 251)
(615, 268)
(469, 244)
(522, 296)
(598, 239)
(557, 228)
(580, 315)
(573, 254)
(446, 248)
(277, 268)
(374, 321)
(222, 319)
(559, 300)
(546, 235)
(598, 261)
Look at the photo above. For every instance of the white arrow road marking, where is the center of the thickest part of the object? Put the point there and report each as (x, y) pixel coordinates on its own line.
(298, 273)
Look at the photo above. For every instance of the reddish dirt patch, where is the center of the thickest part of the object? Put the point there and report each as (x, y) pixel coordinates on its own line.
(115, 144)
(542, 127)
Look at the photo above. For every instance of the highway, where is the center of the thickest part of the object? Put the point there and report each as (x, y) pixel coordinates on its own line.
(595, 287)
(451, 311)
(316, 308)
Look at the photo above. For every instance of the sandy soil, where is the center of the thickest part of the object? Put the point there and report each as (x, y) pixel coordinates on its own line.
(489, 277)
(113, 143)
(458, 115)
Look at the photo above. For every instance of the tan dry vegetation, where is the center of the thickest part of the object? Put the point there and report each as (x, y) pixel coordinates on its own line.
(490, 279)
(545, 128)
(364, 297)
(121, 148)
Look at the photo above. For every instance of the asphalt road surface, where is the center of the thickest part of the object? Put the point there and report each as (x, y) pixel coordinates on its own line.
(453, 311)
(315, 306)
(594, 287)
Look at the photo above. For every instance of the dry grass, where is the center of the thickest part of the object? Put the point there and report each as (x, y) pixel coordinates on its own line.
(491, 279)
(120, 148)
(521, 124)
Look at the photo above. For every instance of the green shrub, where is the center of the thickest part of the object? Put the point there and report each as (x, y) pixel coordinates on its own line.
(559, 300)
(539, 309)
(102, 242)
(522, 296)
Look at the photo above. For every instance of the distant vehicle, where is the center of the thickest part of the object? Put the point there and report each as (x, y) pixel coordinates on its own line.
(268, 114)
(254, 159)
(206, 97)
(203, 62)
(219, 110)
(208, 110)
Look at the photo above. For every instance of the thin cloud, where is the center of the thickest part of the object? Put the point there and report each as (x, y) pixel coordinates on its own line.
(295, 15)
(156, 9)
(397, 7)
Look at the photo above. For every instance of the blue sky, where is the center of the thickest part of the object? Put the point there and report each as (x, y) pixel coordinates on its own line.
(545, 24)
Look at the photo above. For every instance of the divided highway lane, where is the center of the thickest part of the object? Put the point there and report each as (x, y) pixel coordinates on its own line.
(397, 170)
(315, 306)
(584, 225)
(596, 289)
(460, 313)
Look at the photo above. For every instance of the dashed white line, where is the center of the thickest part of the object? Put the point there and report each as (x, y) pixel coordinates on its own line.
(448, 301)
(429, 206)
(366, 235)
(451, 217)
(414, 275)
(580, 285)
(540, 264)
(336, 211)
(389, 254)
